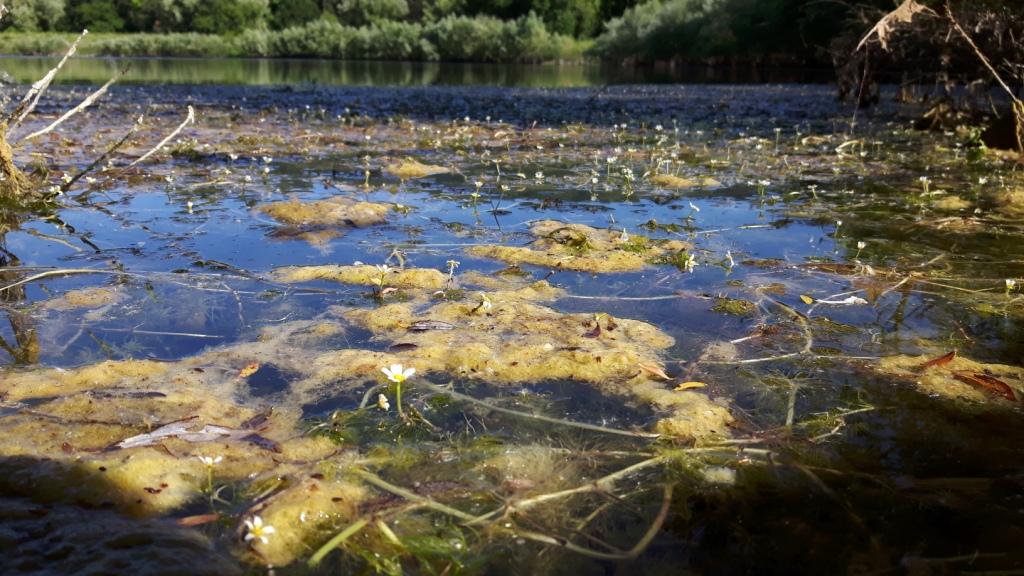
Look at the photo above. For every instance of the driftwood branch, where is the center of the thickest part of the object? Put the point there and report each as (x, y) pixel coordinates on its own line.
(188, 120)
(31, 99)
(88, 101)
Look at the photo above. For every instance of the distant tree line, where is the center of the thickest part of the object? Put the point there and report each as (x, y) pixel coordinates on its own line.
(577, 18)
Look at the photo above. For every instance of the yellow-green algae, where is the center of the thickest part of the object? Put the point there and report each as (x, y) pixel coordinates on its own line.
(940, 380)
(330, 212)
(580, 247)
(93, 297)
(515, 340)
(410, 168)
(62, 449)
(671, 181)
(365, 275)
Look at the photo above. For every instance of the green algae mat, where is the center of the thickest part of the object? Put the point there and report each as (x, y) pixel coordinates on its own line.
(707, 329)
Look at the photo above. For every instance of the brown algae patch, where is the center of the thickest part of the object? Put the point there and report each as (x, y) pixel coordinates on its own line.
(411, 168)
(671, 181)
(84, 298)
(340, 212)
(364, 275)
(582, 248)
(951, 379)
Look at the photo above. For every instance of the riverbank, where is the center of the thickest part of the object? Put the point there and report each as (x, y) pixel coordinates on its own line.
(455, 39)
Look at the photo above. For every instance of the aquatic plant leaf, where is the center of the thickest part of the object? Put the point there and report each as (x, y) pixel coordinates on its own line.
(427, 325)
(188, 431)
(654, 370)
(249, 369)
(940, 361)
(848, 301)
(689, 386)
(197, 520)
(987, 382)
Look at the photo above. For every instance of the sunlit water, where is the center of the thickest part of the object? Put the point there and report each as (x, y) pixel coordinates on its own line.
(866, 473)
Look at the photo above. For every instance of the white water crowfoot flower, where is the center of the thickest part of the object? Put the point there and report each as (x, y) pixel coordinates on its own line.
(210, 461)
(1010, 285)
(382, 402)
(256, 530)
(397, 373)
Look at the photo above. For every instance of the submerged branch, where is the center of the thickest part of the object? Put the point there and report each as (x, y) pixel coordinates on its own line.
(551, 420)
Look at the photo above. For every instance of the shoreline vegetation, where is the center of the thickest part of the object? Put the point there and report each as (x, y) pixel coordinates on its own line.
(454, 39)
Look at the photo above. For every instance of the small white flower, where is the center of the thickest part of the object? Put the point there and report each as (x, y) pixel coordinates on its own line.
(189, 206)
(66, 178)
(383, 268)
(266, 170)
(210, 460)
(485, 302)
(839, 223)
(862, 245)
(256, 530)
(267, 159)
(233, 157)
(382, 402)
(397, 373)
(90, 180)
(764, 182)
(1010, 284)
(982, 180)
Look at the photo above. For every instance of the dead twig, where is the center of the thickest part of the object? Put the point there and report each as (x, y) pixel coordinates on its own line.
(88, 101)
(190, 118)
(31, 99)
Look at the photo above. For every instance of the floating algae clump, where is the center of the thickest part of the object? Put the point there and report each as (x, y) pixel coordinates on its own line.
(85, 298)
(733, 306)
(670, 181)
(502, 337)
(330, 212)
(579, 247)
(130, 436)
(958, 377)
(365, 275)
(411, 168)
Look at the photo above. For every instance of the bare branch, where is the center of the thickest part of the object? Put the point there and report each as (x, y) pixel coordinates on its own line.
(188, 120)
(28, 103)
(117, 145)
(902, 15)
(81, 106)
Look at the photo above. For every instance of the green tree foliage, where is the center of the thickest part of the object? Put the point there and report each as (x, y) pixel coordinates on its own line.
(34, 15)
(288, 13)
(230, 16)
(366, 12)
(157, 15)
(94, 15)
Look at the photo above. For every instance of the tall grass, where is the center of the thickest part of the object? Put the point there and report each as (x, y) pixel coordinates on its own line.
(453, 38)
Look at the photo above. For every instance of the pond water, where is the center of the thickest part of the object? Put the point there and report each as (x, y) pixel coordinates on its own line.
(710, 328)
(263, 71)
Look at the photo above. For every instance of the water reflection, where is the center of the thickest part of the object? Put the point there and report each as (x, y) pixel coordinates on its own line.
(374, 73)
